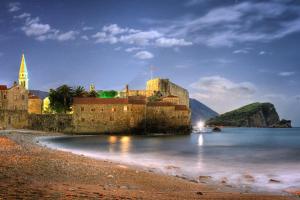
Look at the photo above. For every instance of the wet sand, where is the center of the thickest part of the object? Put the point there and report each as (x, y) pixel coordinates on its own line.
(29, 171)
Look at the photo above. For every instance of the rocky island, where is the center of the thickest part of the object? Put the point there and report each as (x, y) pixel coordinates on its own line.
(261, 115)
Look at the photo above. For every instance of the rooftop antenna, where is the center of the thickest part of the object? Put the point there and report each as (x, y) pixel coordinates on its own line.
(152, 68)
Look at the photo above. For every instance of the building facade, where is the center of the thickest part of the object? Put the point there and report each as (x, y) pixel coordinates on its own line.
(35, 104)
(13, 107)
(129, 115)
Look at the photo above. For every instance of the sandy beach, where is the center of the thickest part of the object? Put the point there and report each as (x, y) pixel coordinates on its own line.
(30, 171)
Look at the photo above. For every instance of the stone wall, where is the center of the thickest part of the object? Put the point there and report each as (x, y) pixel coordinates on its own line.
(129, 116)
(17, 98)
(107, 118)
(35, 106)
(13, 119)
(51, 122)
(167, 119)
(167, 88)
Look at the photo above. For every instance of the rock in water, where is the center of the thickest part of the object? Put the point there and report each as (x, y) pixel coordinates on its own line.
(216, 129)
(252, 115)
(283, 124)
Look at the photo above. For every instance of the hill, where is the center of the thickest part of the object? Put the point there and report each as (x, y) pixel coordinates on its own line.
(252, 115)
(39, 93)
(200, 111)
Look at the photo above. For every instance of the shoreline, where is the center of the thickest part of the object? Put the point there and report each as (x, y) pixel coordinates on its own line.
(97, 178)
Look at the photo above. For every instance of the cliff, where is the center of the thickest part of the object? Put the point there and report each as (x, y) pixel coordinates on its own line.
(252, 115)
(200, 111)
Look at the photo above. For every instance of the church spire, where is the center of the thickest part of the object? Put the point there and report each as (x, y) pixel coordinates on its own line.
(23, 74)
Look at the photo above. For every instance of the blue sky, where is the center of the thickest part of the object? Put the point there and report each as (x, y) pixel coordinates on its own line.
(226, 53)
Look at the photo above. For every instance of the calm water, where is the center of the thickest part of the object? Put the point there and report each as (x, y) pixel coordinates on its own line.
(233, 154)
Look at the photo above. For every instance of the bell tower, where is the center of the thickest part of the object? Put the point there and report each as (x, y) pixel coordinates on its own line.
(23, 74)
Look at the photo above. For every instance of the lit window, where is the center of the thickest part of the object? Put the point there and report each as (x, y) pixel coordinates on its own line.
(125, 108)
(113, 109)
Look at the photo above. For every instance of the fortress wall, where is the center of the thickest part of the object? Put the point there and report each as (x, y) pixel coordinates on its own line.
(13, 119)
(166, 87)
(51, 122)
(167, 119)
(107, 118)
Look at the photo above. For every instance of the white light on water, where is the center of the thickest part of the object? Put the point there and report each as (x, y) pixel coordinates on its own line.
(200, 125)
(200, 140)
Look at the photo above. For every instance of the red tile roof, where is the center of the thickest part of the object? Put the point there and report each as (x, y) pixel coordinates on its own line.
(171, 96)
(93, 100)
(181, 107)
(3, 87)
(160, 103)
(32, 96)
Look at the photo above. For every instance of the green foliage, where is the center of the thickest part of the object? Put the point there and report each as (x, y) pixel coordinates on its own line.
(240, 116)
(61, 99)
(93, 93)
(80, 92)
(107, 94)
(155, 97)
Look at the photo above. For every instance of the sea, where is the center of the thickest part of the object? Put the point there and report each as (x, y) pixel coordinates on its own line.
(260, 159)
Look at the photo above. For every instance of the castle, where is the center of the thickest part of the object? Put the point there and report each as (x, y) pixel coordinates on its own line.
(131, 111)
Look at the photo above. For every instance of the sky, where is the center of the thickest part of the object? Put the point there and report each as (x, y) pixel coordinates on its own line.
(226, 53)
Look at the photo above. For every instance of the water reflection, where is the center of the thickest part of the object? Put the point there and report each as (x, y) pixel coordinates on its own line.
(112, 139)
(200, 140)
(122, 143)
(125, 144)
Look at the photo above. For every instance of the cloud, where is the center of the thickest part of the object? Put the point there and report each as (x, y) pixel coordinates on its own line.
(131, 49)
(193, 2)
(170, 42)
(241, 51)
(36, 29)
(87, 28)
(143, 55)
(84, 37)
(221, 93)
(70, 35)
(262, 53)
(113, 34)
(33, 27)
(102, 37)
(221, 85)
(22, 16)
(226, 26)
(140, 37)
(14, 6)
(286, 73)
(114, 29)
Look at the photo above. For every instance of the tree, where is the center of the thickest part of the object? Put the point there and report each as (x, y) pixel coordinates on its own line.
(79, 92)
(93, 93)
(61, 99)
